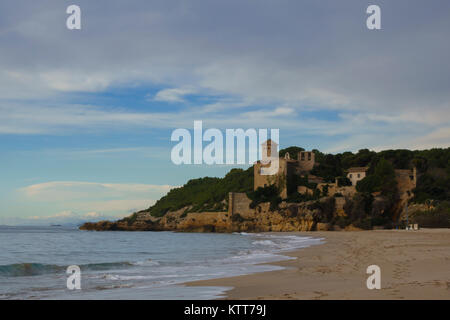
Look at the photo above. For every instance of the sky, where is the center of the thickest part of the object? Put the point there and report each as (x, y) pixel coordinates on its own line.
(86, 115)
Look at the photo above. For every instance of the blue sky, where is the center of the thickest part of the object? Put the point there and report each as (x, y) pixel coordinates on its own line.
(86, 116)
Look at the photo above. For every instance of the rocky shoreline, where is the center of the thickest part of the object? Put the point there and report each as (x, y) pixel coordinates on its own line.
(305, 216)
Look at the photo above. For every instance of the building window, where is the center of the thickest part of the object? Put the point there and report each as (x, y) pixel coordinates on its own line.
(359, 176)
(350, 175)
(303, 156)
(309, 156)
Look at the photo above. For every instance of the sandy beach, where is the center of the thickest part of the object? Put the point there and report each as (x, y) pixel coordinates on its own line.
(414, 265)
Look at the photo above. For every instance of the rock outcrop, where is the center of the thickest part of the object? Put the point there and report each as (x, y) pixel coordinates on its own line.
(303, 216)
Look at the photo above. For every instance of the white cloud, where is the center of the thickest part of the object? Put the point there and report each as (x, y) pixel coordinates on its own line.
(310, 59)
(62, 214)
(92, 215)
(172, 95)
(63, 81)
(73, 189)
(92, 199)
(66, 217)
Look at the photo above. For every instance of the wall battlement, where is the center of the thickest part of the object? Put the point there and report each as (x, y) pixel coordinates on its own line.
(306, 161)
(287, 167)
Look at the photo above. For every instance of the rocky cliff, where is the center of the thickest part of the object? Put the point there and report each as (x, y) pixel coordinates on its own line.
(304, 216)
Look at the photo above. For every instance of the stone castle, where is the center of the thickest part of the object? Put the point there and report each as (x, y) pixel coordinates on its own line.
(305, 163)
(303, 166)
(241, 216)
(287, 167)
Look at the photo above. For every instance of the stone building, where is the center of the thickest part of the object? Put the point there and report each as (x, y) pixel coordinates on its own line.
(287, 167)
(356, 174)
(335, 189)
(306, 161)
(406, 182)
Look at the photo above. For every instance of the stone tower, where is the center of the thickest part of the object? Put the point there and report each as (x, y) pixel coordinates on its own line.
(306, 161)
(269, 149)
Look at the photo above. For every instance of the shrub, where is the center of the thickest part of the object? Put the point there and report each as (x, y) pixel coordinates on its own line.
(237, 218)
(130, 219)
(326, 209)
(297, 197)
(204, 193)
(344, 182)
(265, 194)
(438, 217)
(359, 207)
(364, 223)
(342, 222)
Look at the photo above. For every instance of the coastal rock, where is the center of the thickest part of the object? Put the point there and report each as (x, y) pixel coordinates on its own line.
(290, 217)
(323, 226)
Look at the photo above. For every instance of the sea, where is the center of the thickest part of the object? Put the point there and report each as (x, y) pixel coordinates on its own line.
(34, 262)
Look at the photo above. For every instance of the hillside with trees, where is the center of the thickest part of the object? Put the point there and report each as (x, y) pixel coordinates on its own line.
(204, 194)
(433, 186)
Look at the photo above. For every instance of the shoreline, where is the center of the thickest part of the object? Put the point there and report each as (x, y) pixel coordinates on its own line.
(414, 265)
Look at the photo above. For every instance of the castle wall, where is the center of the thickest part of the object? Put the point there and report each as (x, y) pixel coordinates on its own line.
(238, 202)
(287, 168)
(339, 206)
(258, 179)
(306, 161)
(346, 191)
(406, 182)
(267, 180)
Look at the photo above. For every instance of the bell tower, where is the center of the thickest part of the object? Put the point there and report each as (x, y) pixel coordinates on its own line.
(269, 149)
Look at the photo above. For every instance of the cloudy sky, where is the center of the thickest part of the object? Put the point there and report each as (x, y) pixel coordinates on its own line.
(86, 115)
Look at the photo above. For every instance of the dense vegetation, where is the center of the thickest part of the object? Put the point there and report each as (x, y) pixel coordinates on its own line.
(433, 168)
(433, 218)
(293, 152)
(265, 194)
(204, 194)
(381, 180)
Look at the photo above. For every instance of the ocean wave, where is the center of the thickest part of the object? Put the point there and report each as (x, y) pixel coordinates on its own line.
(118, 277)
(264, 242)
(148, 262)
(28, 269)
(35, 269)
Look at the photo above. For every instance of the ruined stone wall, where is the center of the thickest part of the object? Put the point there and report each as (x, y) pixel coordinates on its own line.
(406, 182)
(346, 191)
(306, 161)
(339, 206)
(267, 180)
(239, 203)
(305, 190)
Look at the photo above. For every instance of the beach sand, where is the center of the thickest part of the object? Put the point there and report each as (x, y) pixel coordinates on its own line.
(414, 265)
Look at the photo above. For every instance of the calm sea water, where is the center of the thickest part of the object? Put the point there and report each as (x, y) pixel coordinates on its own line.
(131, 265)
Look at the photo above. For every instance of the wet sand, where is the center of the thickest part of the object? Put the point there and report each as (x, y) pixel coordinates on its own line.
(414, 265)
